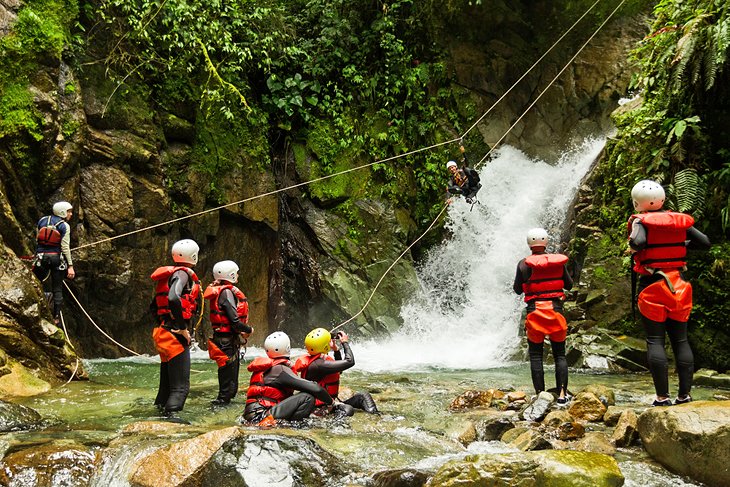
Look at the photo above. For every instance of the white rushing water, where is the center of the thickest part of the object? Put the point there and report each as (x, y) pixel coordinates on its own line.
(466, 315)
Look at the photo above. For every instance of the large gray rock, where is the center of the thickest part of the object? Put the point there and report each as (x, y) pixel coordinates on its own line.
(691, 439)
(15, 417)
(537, 468)
(600, 350)
(49, 466)
(539, 407)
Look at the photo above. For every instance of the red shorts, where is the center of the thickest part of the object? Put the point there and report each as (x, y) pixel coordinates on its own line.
(658, 303)
(545, 321)
(217, 354)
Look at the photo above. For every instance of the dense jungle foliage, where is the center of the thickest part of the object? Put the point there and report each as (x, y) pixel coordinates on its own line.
(679, 135)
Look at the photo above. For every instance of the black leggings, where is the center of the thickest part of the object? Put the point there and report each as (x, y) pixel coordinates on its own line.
(228, 374)
(294, 408)
(536, 370)
(677, 331)
(49, 264)
(174, 382)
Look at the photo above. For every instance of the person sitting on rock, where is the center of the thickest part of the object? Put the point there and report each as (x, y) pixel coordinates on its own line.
(464, 181)
(658, 241)
(270, 395)
(542, 277)
(229, 320)
(320, 367)
(53, 252)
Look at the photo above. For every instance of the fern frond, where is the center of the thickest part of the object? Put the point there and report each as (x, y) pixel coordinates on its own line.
(689, 192)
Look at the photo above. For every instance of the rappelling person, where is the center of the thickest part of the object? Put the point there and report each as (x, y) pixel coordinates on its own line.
(229, 321)
(176, 302)
(543, 278)
(53, 252)
(658, 241)
(463, 181)
(320, 367)
(270, 395)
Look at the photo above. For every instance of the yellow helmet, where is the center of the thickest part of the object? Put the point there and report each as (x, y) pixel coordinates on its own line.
(318, 341)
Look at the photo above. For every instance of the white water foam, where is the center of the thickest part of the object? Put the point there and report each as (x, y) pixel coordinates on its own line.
(466, 315)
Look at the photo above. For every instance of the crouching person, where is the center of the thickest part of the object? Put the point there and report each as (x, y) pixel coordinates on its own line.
(271, 395)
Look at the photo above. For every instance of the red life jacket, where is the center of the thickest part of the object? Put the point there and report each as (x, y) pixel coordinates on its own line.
(189, 301)
(330, 382)
(666, 232)
(48, 234)
(546, 280)
(258, 392)
(218, 319)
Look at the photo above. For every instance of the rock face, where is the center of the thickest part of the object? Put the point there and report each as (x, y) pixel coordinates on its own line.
(691, 439)
(538, 468)
(14, 417)
(49, 466)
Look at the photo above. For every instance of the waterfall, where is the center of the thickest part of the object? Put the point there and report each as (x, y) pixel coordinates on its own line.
(466, 315)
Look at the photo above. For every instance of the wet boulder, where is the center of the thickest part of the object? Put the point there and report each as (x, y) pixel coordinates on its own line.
(556, 418)
(494, 426)
(600, 350)
(690, 439)
(626, 430)
(603, 393)
(15, 417)
(711, 378)
(570, 430)
(539, 407)
(407, 477)
(531, 439)
(472, 399)
(49, 466)
(587, 406)
(594, 442)
(613, 413)
(536, 468)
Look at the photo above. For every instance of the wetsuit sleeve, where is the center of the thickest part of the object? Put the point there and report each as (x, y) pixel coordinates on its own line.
(286, 379)
(66, 243)
(320, 368)
(472, 175)
(178, 282)
(227, 303)
(520, 277)
(567, 280)
(637, 239)
(697, 239)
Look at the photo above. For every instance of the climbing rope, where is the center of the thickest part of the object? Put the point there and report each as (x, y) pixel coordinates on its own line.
(356, 168)
(487, 154)
(65, 332)
(552, 81)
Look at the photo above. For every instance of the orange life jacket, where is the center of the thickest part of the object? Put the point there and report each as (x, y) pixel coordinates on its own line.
(330, 382)
(189, 300)
(258, 392)
(666, 232)
(460, 177)
(546, 280)
(218, 319)
(48, 234)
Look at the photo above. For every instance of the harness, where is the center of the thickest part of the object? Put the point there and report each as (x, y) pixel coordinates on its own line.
(330, 382)
(48, 234)
(218, 319)
(189, 300)
(267, 396)
(546, 280)
(666, 233)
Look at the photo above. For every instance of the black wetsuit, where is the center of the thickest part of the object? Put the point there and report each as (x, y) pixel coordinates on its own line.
(230, 344)
(320, 368)
(677, 330)
(470, 184)
(293, 408)
(175, 374)
(54, 260)
(535, 350)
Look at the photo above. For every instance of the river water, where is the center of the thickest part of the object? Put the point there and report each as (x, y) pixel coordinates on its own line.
(461, 332)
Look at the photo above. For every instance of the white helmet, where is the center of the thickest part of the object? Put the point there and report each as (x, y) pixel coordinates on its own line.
(451, 164)
(185, 252)
(537, 237)
(647, 195)
(60, 208)
(226, 270)
(277, 345)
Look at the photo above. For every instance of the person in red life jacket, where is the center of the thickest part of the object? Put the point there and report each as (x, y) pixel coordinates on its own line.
(463, 181)
(543, 277)
(658, 241)
(176, 301)
(53, 252)
(320, 367)
(270, 395)
(229, 320)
